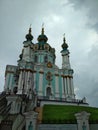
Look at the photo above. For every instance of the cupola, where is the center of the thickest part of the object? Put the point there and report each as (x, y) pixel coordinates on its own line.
(29, 36)
(64, 45)
(42, 38)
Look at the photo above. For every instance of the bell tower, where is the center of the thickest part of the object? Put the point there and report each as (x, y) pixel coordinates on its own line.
(65, 55)
(25, 66)
(67, 72)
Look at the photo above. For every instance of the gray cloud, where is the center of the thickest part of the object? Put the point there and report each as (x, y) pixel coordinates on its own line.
(87, 77)
(90, 8)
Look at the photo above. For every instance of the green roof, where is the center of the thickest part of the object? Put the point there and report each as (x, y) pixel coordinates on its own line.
(66, 114)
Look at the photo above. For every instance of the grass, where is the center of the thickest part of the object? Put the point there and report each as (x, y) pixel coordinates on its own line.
(61, 113)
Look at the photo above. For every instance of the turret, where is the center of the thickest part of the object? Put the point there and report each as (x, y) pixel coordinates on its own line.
(26, 53)
(65, 55)
(26, 66)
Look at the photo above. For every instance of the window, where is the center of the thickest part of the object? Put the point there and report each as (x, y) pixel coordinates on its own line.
(48, 91)
(35, 58)
(46, 59)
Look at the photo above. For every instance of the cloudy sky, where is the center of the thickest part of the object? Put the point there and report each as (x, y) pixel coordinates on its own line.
(78, 19)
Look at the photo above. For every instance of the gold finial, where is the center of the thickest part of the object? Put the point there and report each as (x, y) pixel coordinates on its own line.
(30, 29)
(64, 37)
(42, 28)
(42, 25)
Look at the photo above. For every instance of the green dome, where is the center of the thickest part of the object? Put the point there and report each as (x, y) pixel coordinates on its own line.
(64, 45)
(29, 36)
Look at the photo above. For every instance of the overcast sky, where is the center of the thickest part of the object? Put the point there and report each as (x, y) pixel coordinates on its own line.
(78, 19)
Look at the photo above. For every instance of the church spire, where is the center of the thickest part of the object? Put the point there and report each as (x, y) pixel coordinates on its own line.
(65, 55)
(64, 45)
(43, 29)
(29, 36)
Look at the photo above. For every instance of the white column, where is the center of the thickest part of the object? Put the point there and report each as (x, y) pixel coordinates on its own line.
(34, 81)
(40, 84)
(28, 83)
(63, 61)
(68, 85)
(72, 86)
(31, 80)
(56, 86)
(63, 95)
(7, 80)
(20, 83)
(68, 63)
(65, 87)
(10, 82)
(28, 80)
(25, 80)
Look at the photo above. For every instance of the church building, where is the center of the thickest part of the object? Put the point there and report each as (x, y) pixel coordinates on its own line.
(37, 91)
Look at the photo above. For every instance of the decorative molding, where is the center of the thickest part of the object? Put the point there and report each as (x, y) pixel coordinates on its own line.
(26, 70)
(41, 72)
(66, 76)
(9, 72)
(56, 74)
(49, 65)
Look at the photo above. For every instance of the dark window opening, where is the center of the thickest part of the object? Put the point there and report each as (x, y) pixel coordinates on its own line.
(48, 92)
(46, 59)
(36, 58)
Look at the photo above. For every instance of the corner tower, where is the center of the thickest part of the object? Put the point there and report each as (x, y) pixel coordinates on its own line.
(25, 67)
(65, 55)
(68, 72)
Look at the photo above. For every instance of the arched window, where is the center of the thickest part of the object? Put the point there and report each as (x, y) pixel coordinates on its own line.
(35, 58)
(48, 91)
(46, 59)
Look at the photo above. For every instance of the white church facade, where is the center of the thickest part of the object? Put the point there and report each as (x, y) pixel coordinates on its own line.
(37, 70)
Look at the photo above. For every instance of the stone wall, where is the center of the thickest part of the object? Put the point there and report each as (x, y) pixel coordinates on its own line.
(93, 126)
(57, 127)
(64, 127)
